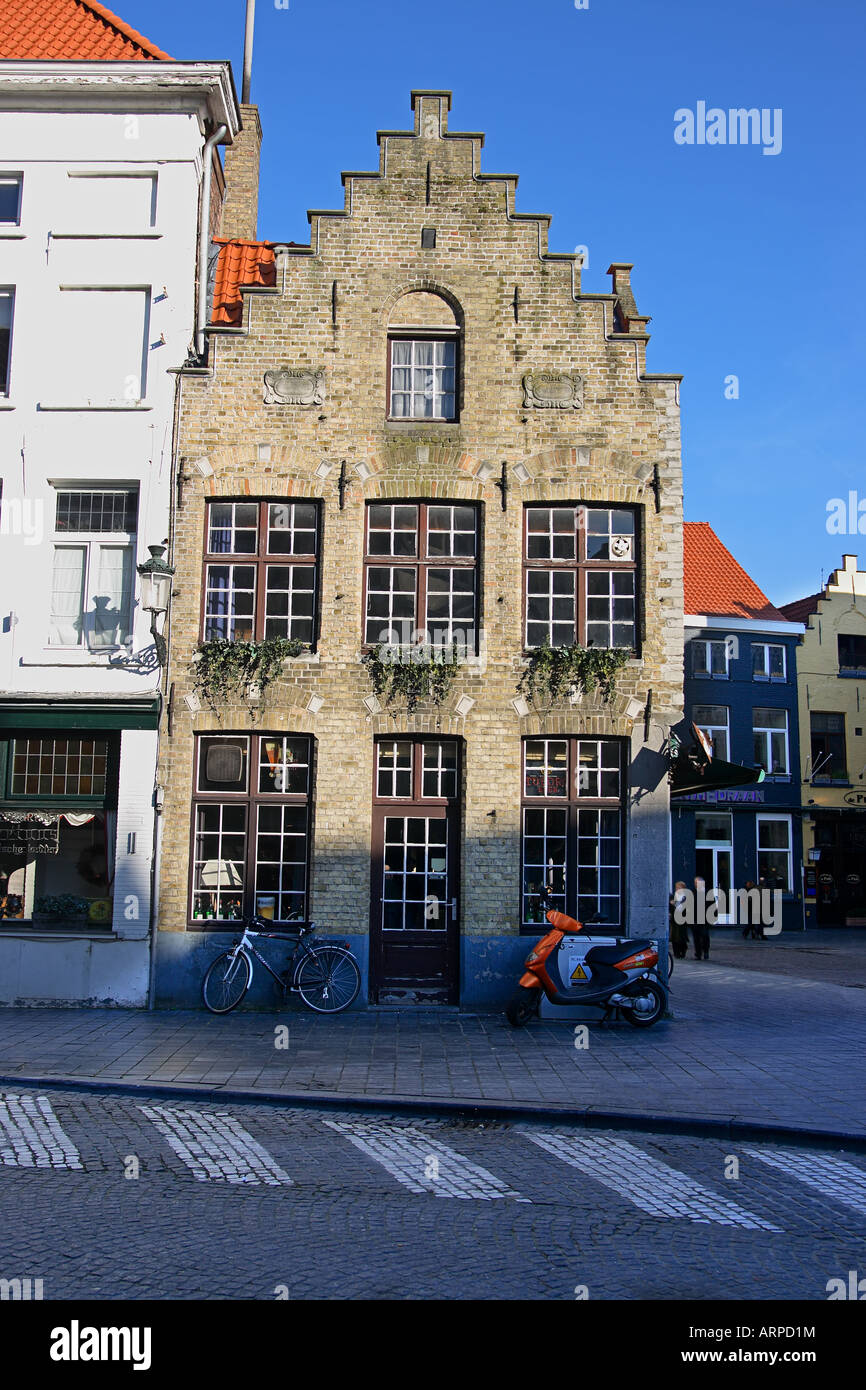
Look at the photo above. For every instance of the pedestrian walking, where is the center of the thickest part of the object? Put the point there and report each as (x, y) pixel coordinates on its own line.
(700, 930)
(753, 930)
(678, 929)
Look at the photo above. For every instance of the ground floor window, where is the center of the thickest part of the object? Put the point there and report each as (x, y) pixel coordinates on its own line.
(251, 827)
(56, 868)
(573, 822)
(58, 824)
(774, 853)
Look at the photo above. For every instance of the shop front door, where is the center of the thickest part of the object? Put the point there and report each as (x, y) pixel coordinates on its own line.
(414, 916)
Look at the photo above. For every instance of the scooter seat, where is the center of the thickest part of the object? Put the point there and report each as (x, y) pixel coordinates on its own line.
(609, 955)
(561, 922)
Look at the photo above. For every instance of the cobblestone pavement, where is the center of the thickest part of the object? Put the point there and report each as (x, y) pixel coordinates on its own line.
(107, 1197)
(745, 1044)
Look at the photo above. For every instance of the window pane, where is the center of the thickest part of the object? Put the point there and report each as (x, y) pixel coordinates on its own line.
(284, 766)
(394, 769)
(107, 621)
(292, 528)
(106, 511)
(67, 596)
(222, 764)
(10, 198)
(59, 767)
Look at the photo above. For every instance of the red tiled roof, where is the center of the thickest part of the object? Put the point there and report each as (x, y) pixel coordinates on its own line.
(240, 263)
(69, 30)
(715, 584)
(800, 610)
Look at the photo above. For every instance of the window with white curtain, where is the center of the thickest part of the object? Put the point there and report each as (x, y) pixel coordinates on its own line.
(102, 346)
(92, 574)
(423, 379)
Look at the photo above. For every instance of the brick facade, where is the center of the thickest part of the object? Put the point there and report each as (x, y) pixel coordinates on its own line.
(518, 308)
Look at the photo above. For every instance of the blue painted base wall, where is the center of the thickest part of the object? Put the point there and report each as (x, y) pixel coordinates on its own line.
(490, 967)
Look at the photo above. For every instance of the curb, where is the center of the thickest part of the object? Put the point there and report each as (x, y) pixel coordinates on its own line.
(589, 1117)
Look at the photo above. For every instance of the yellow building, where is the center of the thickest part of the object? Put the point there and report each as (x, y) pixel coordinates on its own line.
(831, 675)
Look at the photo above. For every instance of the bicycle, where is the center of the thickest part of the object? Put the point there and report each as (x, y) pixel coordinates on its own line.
(326, 977)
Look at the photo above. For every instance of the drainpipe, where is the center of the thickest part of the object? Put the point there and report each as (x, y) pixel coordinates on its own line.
(204, 238)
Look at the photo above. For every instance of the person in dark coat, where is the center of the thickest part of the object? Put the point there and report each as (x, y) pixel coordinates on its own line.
(678, 929)
(700, 930)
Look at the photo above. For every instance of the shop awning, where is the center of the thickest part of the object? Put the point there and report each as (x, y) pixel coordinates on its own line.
(138, 713)
(694, 769)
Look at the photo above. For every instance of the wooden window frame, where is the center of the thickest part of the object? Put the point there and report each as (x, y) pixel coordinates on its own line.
(425, 335)
(416, 796)
(421, 563)
(572, 803)
(260, 559)
(581, 566)
(251, 799)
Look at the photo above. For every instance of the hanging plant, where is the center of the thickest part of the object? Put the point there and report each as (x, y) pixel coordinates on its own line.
(223, 669)
(411, 674)
(557, 670)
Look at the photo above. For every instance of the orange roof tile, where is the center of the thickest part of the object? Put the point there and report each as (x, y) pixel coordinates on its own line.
(715, 584)
(240, 263)
(69, 30)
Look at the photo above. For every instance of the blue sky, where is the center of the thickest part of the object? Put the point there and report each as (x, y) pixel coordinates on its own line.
(751, 265)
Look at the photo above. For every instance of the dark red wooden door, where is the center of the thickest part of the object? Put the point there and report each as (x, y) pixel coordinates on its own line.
(414, 916)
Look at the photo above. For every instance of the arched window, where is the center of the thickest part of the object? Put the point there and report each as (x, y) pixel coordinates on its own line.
(423, 340)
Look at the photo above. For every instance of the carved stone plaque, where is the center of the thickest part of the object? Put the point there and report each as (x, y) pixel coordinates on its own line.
(294, 386)
(553, 390)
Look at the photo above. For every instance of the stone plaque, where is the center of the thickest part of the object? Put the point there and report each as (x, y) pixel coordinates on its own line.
(553, 390)
(294, 386)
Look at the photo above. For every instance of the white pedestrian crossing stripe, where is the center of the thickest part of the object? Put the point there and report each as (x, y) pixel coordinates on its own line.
(832, 1177)
(31, 1135)
(423, 1164)
(645, 1181)
(215, 1147)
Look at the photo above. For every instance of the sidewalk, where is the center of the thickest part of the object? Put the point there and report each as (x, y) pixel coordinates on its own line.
(750, 1045)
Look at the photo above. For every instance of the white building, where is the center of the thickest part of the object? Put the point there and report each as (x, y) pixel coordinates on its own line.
(100, 192)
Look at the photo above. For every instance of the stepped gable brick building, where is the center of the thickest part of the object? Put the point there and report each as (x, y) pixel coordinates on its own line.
(417, 430)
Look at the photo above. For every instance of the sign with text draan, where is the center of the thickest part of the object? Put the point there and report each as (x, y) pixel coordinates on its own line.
(29, 839)
(750, 794)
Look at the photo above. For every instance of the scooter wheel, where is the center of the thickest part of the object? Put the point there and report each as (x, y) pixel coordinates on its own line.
(523, 1006)
(649, 1016)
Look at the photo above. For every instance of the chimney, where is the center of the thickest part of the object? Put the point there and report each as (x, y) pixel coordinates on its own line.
(241, 207)
(630, 320)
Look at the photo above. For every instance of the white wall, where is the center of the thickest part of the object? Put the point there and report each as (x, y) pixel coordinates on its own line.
(76, 234)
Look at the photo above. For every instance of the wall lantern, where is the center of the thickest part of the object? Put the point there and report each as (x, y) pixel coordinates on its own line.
(156, 577)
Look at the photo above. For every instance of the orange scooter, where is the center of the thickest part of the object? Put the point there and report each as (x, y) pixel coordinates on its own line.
(610, 972)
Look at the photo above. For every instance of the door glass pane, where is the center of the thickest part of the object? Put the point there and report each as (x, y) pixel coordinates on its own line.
(415, 874)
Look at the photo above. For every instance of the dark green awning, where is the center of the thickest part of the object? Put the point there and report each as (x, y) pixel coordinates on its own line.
(79, 714)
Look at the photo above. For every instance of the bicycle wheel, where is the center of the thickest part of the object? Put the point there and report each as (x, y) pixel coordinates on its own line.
(226, 982)
(328, 979)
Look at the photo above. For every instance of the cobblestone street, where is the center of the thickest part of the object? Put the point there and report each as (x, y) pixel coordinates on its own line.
(105, 1197)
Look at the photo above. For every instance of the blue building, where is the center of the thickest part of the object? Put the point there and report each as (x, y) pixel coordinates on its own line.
(741, 692)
